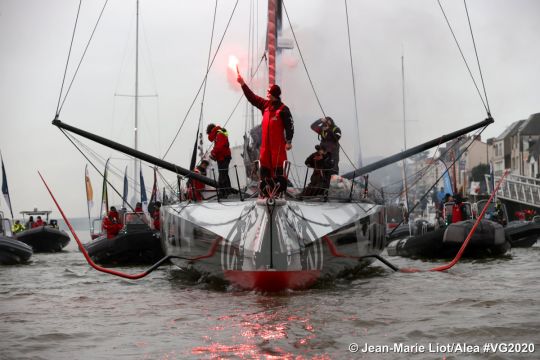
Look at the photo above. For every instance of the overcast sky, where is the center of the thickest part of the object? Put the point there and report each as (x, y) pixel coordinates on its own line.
(175, 35)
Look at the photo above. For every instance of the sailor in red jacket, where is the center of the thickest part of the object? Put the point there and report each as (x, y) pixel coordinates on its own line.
(156, 214)
(277, 134)
(195, 187)
(111, 224)
(39, 222)
(221, 153)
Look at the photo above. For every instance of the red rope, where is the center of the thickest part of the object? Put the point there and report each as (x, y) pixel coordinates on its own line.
(333, 250)
(83, 250)
(211, 252)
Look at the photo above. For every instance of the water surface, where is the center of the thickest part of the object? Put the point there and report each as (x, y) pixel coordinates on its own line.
(57, 307)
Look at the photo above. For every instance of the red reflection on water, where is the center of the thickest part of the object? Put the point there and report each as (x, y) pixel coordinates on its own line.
(268, 334)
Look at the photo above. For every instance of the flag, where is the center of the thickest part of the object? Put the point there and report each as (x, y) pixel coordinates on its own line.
(164, 199)
(491, 178)
(104, 193)
(125, 192)
(89, 196)
(89, 190)
(5, 190)
(154, 196)
(447, 182)
(144, 199)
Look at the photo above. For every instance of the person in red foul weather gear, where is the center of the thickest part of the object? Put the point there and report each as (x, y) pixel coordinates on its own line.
(277, 134)
(39, 222)
(114, 213)
(138, 208)
(195, 187)
(221, 153)
(155, 215)
(111, 224)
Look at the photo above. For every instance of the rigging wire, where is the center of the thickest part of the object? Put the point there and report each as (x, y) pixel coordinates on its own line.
(202, 83)
(416, 177)
(477, 59)
(95, 167)
(114, 170)
(207, 69)
(311, 81)
(68, 57)
(303, 62)
(82, 57)
(464, 59)
(353, 81)
(440, 177)
(165, 180)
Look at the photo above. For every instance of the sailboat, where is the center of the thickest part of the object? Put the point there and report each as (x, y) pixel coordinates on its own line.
(272, 243)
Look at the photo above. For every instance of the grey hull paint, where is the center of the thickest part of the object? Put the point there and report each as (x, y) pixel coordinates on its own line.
(254, 235)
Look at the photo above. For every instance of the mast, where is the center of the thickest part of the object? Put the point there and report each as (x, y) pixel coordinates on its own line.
(271, 40)
(136, 132)
(405, 187)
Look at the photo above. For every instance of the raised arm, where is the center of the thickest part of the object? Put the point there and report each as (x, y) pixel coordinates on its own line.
(255, 100)
(317, 125)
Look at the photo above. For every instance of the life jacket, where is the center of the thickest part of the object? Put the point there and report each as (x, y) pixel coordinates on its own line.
(17, 228)
(330, 140)
(324, 133)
